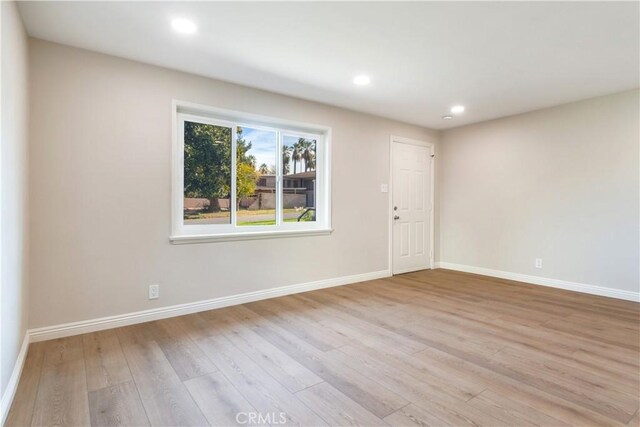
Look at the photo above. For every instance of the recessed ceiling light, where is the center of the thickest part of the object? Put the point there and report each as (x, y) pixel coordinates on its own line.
(184, 26)
(447, 117)
(457, 109)
(361, 80)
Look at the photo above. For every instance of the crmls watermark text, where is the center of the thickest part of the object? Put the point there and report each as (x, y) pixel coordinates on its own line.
(252, 418)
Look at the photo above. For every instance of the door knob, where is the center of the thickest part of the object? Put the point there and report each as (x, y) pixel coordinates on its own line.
(396, 217)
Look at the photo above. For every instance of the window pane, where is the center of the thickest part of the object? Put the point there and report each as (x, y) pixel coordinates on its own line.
(207, 173)
(256, 176)
(299, 170)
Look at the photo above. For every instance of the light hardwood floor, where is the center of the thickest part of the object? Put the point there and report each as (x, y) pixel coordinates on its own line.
(427, 348)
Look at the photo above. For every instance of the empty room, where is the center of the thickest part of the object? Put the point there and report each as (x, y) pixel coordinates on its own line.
(258, 213)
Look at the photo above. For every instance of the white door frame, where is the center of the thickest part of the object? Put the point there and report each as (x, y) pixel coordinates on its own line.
(401, 140)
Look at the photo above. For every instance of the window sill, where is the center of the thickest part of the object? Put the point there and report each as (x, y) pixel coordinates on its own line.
(256, 235)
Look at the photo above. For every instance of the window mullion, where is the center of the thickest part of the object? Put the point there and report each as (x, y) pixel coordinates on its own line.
(279, 181)
(234, 170)
(320, 184)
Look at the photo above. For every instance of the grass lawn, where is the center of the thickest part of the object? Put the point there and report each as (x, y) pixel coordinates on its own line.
(225, 214)
(267, 222)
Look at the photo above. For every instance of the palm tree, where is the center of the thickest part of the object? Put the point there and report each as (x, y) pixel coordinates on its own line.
(286, 158)
(311, 161)
(296, 154)
(263, 169)
(308, 154)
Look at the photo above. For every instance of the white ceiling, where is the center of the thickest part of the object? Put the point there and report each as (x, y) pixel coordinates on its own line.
(496, 58)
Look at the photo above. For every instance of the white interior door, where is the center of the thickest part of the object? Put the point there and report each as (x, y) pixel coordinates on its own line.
(412, 206)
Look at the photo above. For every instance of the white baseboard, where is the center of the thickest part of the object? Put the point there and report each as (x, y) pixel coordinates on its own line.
(92, 325)
(553, 283)
(12, 385)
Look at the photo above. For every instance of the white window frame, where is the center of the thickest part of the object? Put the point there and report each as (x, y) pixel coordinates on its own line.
(198, 233)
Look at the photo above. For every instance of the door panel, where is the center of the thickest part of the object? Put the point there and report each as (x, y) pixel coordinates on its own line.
(405, 232)
(419, 238)
(411, 169)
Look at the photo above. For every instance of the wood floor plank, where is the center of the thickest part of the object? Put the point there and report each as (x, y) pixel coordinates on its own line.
(455, 336)
(336, 407)
(62, 392)
(416, 299)
(63, 350)
(438, 397)
(606, 370)
(105, 362)
(412, 415)
(186, 358)
(524, 374)
(220, 402)
(357, 329)
(279, 311)
(368, 393)
(603, 362)
(117, 405)
(166, 401)
(435, 414)
(195, 325)
(558, 408)
(264, 393)
(524, 414)
(609, 402)
(415, 386)
(581, 375)
(563, 343)
(373, 310)
(441, 375)
(624, 316)
(286, 370)
(610, 336)
(21, 411)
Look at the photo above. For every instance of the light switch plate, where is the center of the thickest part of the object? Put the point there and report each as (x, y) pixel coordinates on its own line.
(384, 188)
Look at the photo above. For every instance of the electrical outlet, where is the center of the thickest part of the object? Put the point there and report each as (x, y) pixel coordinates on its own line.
(538, 262)
(154, 291)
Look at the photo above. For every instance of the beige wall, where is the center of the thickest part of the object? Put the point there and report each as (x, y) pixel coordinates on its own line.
(561, 184)
(13, 225)
(101, 143)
